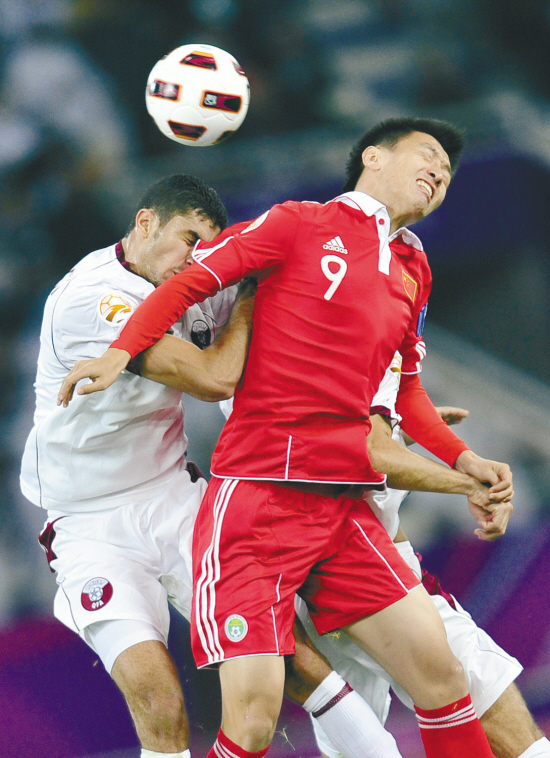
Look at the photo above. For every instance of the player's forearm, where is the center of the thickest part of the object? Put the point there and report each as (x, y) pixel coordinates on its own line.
(409, 471)
(180, 365)
(163, 307)
(422, 422)
(225, 358)
(211, 374)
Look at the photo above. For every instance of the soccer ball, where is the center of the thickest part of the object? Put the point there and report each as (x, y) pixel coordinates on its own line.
(197, 95)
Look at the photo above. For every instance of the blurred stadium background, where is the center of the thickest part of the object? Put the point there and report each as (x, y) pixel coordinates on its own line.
(77, 148)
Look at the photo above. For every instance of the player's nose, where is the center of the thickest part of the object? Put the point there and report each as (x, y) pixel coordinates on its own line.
(436, 175)
(188, 257)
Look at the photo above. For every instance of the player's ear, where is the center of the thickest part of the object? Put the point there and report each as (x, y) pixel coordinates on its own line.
(145, 222)
(371, 157)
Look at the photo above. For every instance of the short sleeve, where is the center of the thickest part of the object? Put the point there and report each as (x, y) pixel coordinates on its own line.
(86, 320)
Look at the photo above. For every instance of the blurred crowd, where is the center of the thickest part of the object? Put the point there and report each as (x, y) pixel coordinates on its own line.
(77, 145)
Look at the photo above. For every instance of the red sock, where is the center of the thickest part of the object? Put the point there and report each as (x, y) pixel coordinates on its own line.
(224, 748)
(453, 731)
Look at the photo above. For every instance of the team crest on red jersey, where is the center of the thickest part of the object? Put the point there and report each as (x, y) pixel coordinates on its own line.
(410, 285)
(96, 593)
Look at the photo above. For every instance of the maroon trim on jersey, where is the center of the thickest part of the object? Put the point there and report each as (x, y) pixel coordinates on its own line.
(194, 471)
(346, 689)
(433, 585)
(119, 251)
(380, 410)
(46, 538)
(132, 367)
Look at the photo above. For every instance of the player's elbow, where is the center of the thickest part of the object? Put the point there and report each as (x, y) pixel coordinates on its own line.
(381, 454)
(212, 388)
(221, 391)
(220, 377)
(379, 459)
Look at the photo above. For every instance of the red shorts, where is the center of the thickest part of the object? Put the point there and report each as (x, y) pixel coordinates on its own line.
(256, 544)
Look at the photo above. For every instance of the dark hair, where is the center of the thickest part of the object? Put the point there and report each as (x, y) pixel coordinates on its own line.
(179, 194)
(389, 132)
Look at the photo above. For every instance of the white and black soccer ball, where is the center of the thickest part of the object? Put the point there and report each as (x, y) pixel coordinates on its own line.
(197, 95)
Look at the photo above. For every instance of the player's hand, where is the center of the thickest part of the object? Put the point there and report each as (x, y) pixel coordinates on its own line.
(452, 415)
(102, 371)
(493, 519)
(478, 494)
(497, 475)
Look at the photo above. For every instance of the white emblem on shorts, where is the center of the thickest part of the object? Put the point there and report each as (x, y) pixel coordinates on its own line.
(96, 593)
(236, 628)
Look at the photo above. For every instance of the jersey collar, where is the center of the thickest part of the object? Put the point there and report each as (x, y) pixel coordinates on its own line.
(119, 252)
(372, 207)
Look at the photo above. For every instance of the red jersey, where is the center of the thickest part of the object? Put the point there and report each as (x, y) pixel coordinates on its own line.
(337, 297)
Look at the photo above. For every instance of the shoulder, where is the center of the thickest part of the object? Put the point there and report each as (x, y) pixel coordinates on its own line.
(410, 248)
(281, 211)
(98, 287)
(421, 261)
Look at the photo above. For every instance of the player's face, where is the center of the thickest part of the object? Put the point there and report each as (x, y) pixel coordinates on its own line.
(416, 174)
(167, 249)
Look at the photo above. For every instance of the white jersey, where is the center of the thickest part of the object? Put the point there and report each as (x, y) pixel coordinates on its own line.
(120, 444)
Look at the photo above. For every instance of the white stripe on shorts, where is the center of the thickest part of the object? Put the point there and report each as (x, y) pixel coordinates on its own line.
(381, 556)
(273, 614)
(205, 591)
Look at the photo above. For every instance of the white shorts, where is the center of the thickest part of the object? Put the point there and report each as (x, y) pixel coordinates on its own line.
(488, 668)
(125, 564)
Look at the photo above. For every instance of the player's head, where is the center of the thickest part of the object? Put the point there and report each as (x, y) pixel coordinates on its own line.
(406, 162)
(178, 194)
(388, 133)
(172, 215)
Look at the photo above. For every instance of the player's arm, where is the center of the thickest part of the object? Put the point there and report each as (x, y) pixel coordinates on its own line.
(210, 374)
(192, 285)
(422, 422)
(260, 248)
(408, 471)
(450, 414)
(420, 419)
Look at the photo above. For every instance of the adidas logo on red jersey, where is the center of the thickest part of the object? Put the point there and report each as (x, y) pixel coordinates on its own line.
(335, 244)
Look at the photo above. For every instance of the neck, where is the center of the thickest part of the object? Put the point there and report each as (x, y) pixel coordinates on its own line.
(396, 220)
(397, 223)
(129, 254)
